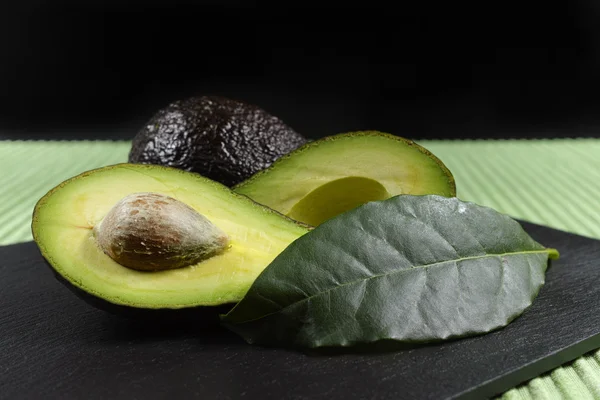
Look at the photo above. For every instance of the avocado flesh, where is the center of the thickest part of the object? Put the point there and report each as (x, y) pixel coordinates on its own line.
(64, 218)
(335, 197)
(332, 175)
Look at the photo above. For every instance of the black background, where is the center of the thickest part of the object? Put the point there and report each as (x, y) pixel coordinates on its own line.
(102, 68)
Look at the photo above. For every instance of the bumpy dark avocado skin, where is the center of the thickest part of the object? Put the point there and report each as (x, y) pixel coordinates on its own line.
(222, 139)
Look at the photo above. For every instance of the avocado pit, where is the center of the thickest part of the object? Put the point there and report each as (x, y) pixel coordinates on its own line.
(153, 232)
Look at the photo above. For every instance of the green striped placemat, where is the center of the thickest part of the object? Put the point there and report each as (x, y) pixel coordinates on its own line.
(554, 182)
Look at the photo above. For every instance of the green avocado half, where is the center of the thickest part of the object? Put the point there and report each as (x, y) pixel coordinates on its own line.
(337, 173)
(67, 224)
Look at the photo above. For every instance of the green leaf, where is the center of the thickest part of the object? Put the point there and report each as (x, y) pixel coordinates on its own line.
(410, 269)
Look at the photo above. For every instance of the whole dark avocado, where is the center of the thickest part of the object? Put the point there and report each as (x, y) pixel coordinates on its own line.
(222, 139)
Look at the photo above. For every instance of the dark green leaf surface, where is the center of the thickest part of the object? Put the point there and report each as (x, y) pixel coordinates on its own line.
(410, 268)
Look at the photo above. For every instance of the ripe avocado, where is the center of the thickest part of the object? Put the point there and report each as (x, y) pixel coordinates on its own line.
(337, 173)
(158, 221)
(223, 139)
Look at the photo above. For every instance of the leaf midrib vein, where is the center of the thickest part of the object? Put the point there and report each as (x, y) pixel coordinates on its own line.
(400, 271)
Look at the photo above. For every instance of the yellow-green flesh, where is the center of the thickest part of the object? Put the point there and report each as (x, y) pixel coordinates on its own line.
(329, 176)
(64, 218)
(335, 197)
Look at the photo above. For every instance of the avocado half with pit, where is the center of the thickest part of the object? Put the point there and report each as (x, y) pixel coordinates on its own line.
(132, 236)
(337, 173)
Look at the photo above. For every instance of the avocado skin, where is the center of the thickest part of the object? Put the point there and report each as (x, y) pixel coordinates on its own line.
(206, 316)
(222, 139)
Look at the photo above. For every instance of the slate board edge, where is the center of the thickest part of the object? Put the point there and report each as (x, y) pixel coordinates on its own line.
(499, 386)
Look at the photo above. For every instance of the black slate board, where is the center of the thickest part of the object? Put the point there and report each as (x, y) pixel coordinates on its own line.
(55, 346)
